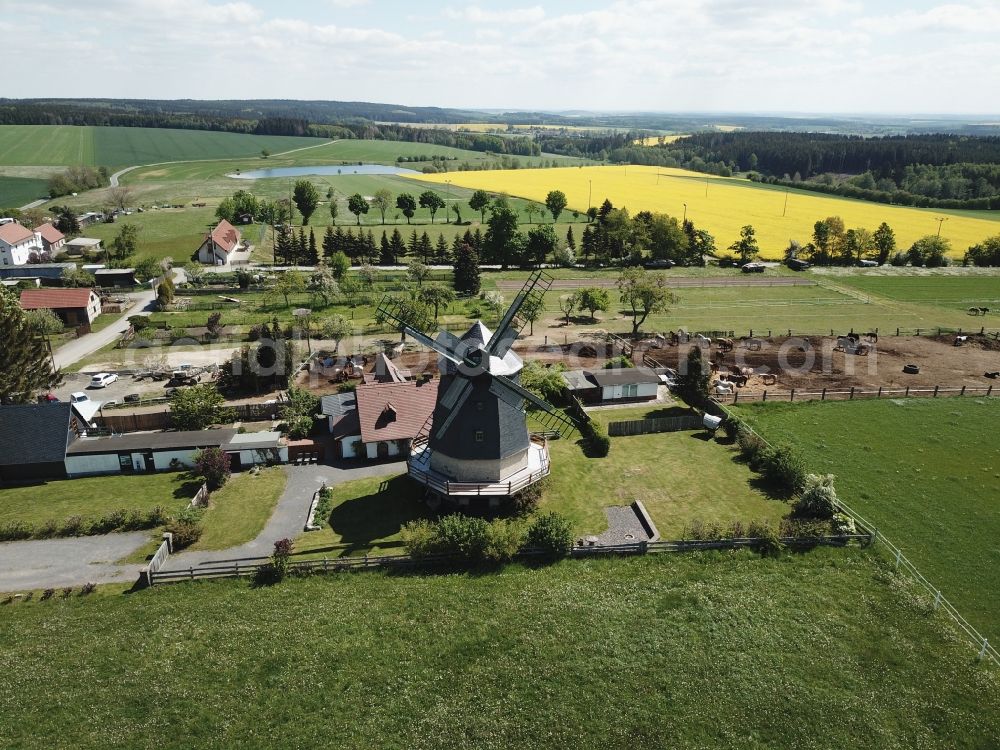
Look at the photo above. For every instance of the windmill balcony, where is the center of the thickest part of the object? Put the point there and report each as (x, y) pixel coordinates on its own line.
(537, 468)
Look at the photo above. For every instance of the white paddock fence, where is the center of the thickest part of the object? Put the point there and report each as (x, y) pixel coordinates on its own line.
(902, 563)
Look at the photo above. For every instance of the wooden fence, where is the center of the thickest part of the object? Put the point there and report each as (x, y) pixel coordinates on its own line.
(740, 397)
(151, 568)
(250, 566)
(981, 643)
(649, 426)
(161, 420)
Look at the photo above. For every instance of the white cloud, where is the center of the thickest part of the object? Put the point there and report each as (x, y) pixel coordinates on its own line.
(475, 14)
(627, 54)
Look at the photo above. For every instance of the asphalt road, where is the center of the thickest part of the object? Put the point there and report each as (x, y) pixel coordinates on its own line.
(77, 349)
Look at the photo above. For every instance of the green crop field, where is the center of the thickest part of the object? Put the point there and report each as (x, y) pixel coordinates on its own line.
(64, 145)
(17, 191)
(820, 650)
(925, 472)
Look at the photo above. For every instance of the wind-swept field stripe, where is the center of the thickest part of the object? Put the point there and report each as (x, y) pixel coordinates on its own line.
(723, 205)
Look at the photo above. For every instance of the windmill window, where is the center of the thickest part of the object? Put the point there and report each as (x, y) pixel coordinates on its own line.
(480, 436)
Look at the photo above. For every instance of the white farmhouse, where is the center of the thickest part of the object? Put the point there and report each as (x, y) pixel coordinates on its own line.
(17, 243)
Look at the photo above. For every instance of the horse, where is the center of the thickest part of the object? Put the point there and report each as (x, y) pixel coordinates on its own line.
(702, 341)
(752, 344)
(872, 337)
(725, 345)
(984, 310)
(992, 375)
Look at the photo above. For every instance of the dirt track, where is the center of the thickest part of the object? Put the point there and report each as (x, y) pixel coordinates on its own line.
(812, 364)
(513, 285)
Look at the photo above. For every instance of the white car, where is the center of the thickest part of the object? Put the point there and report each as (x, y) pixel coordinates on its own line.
(102, 379)
(79, 397)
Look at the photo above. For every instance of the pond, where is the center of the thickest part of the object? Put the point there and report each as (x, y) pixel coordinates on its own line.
(332, 170)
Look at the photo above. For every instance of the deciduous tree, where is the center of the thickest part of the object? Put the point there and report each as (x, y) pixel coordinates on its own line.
(357, 205)
(407, 204)
(432, 202)
(382, 200)
(555, 201)
(644, 293)
(480, 201)
(306, 198)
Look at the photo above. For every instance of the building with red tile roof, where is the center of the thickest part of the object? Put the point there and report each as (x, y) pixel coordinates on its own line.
(379, 420)
(52, 239)
(75, 307)
(220, 244)
(17, 243)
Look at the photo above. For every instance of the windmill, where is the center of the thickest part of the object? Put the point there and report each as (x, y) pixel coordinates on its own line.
(477, 441)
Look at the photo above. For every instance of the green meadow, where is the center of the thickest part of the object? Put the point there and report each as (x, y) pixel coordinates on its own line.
(926, 472)
(826, 649)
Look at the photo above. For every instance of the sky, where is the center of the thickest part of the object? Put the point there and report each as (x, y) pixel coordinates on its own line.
(819, 56)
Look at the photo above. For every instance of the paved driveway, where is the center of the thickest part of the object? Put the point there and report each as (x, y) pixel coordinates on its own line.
(77, 349)
(289, 515)
(52, 563)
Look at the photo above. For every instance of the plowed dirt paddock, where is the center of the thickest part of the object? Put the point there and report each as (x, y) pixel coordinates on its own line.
(814, 363)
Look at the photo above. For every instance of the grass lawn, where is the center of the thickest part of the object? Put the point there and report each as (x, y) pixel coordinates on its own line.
(679, 476)
(926, 472)
(238, 512)
(91, 497)
(366, 518)
(819, 650)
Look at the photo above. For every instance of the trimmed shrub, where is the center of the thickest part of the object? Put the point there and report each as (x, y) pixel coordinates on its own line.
(782, 466)
(526, 501)
(818, 498)
(551, 533)
(598, 442)
(505, 539)
(463, 536)
(186, 528)
(768, 542)
(72, 526)
(15, 530)
(749, 444)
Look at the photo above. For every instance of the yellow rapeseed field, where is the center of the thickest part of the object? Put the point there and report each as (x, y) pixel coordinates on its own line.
(654, 140)
(722, 205)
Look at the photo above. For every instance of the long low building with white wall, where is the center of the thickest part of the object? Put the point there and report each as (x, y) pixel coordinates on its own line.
(147, 452)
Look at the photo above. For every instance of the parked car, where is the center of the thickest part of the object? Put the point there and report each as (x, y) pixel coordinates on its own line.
(868, 263)
(753, 268)
(78, 398)
(131, 398)
(663, 263)
(103, 379)
(797, 264)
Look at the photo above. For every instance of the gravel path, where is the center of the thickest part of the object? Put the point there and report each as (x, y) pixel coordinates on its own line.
(624, 526)
(53, 563)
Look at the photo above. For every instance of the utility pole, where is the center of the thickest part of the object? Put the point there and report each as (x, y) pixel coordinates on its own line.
(590, 195)
(786, 203)
(685, 212)
(940, 220)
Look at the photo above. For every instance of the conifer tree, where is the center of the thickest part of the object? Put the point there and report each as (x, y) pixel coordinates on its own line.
(467, 271)
(313, 254)
(329, 240)
(397, 246)
(385, 251)
(25, 362)
(441, 250)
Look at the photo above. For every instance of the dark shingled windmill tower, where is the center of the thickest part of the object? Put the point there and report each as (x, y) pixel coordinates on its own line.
(477, 441)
